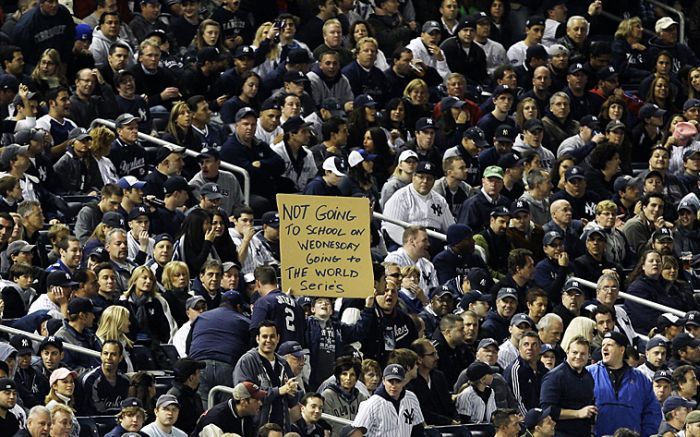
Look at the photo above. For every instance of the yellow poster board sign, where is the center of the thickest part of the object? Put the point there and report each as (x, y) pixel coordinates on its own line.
(325, 245)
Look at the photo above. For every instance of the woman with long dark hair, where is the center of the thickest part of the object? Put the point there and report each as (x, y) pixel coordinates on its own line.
(362, 117)
(195, 241)
(393, 120)
(245, 95)
(359, 182)
(223, 244)
(375, 143)
(646, 282)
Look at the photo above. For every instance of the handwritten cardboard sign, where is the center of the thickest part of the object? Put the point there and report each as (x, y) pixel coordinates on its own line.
(325, 245)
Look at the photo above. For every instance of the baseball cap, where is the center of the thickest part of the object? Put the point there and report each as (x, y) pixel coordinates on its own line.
(211, 54)
(486, 342)
(121, 74)
(298, 56)
(176, 183)
(79, 305)
(452, 102)
(292, 348)
(507, 292)
(477, 135)
(500, 211)
(656, 342)
(651, 110)
(663, 234)
(294, 124)
(692, 318)
(24, 136)
(60, 279)
(114, 219)
(10, 152)
(192, 302)
(687, 153)
(136, 212)
(550, 236)
(83, 32)
(522, 318)
(244, 52)
(184, 367)
(425, 167)
(533, 124)
(607, 73)
(430, 26)
(458, 232)
(468, 22)
(348, 430)
(473, 296)
(51, 340)
(295, 77)
(684, 339)
(60, 374)
(100, 254)
(208, 152)
(245, 112)
(535, 20)
(270, 103)
(335, 165)
(576, 67)
(692, 417)
(478, 370)
(510, 160)
(22, 344)
(663, 374)
(537, 51)
(364, 101)
(228, 265)
(557, 49)
(357, 156)
(664, 23)
(165, 400)
(163, 152)
(394, 372)
(271, 218)
(574, 172)
(7, 384)
(617, 337)
(424, 123)
(129, 182)
(691, 103)
(590, 121)
(572, 285)
(614, 125)
(211, 191)
(595, 229)
(503, 89)
(623, 182)
(124, 119)
(406, 154)
(674, 402)
(519, 206)
(19, 246)
(493, 171)
(246, 390)
(78, 134)
(534, 416)
(233, 297)
(8, 81)
(505, 133)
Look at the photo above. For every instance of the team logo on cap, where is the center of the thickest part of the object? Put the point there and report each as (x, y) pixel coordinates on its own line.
(520, 204)
(505, 132)
(395, 370)
(428, 166)
(574, 170)
(579, 66)
(429, 121)
(574, 284)
(25, 342)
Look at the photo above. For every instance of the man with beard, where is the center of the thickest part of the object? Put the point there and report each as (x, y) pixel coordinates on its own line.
(430, 386)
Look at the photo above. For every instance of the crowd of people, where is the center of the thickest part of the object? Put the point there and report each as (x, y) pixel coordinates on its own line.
(554, 147)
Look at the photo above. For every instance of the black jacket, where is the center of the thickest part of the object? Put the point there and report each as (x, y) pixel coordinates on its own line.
(190, 402)
(472, 65)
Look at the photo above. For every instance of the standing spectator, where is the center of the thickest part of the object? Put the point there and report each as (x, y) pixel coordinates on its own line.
(379, 415)
(219, 338)
(77, 171)
(525, 375)
(127, 154)
(77, 330)
(48, 25)
(431, 387)
(630, 402)
(269, 370)
(463, 54)
(389, 26)
(568, 391)
(277, 306)
(449, 344)
(211, 173)
(156, 82)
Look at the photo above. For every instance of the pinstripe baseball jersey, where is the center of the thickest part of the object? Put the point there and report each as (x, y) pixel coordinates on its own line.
(430, 210)
(380, 418)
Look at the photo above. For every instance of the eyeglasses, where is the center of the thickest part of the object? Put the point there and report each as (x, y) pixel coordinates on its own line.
(432, 354)
(394, 275)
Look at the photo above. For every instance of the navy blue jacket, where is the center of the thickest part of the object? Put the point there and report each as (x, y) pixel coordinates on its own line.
(448, 264)
(495, 326)
(476, 211)
(220, 334)
(642, 317)
(284, 311)
(388, 332)
(525, 383)
(564, 388)
(373, 82)
(550, 276)
(318, 187)
(263, 178)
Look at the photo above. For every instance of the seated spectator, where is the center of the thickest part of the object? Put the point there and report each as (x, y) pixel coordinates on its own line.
(184, 389)
(463, 54)
(571, 302)
(194, 306)
(498, 319)
(235, 415)
(638, 230)
(79, 171)
(130, 418)
(493, 242)
(105, 387)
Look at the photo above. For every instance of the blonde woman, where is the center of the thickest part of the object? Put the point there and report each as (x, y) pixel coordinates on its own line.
(115, 325)
(273, 52)
(526, 110)
(403, 175)
(176, 289)
(62, 392)
(579, 326)
(179, 129)
(415, 97)
(49, 72)
(102, 139)
(151, 320)
(411, 294)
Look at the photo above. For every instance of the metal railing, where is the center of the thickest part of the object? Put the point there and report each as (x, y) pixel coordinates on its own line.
(66, 345)
(403, 224)
(636, 299)
(229, 390)
(225, 165)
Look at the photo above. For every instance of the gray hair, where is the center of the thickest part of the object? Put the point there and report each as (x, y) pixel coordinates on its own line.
(561, 94)
(570, 22)
(110, 235)
(25, 208)
(536, 177)
(547, 320)
(607, 277)
(38, 410)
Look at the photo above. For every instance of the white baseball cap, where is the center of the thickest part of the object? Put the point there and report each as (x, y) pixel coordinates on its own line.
(336, 165)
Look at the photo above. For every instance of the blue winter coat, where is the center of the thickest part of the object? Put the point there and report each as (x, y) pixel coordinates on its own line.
(634, 406)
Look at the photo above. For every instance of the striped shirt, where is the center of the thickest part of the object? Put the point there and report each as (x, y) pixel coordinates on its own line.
(469, 403)
(430, 210)
(381, 419)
